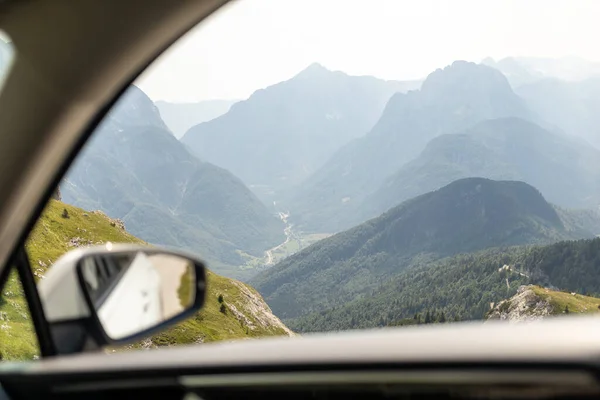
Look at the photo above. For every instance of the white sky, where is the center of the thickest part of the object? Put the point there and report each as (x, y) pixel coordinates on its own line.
(250, 44)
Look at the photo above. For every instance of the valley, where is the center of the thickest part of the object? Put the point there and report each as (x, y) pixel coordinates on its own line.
(294, 242)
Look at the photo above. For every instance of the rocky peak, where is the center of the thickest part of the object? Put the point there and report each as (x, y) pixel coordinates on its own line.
(526, 305)
(467, 82)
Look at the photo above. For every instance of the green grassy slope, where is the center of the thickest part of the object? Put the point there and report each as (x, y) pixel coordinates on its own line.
(246, 315)
(243, 315)
(576, 303)
(17, 335)
(54, 235)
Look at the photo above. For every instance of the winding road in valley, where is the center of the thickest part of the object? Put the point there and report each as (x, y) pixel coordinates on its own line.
(288, 236)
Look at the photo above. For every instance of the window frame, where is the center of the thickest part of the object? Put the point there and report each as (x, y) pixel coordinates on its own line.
(173, 27)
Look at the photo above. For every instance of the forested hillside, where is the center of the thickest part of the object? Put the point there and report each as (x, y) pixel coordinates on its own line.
(466, 286)
(465, 216)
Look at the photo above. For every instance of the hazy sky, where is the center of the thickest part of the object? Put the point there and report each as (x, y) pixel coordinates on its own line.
(250, 44)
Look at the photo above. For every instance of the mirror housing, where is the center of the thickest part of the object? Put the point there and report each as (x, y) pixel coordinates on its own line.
(117, 294)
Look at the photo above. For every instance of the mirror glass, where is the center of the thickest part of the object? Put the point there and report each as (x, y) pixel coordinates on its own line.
(132, 292)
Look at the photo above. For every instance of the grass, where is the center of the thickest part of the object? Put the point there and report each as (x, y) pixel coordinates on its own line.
(17, 334)
(55, 235)
(210, 325)
(559, 301)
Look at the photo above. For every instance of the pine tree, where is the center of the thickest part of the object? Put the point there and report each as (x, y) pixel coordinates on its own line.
(442, 318)
(427, 317)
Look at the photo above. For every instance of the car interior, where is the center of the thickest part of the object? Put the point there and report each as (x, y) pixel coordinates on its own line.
(73, 59)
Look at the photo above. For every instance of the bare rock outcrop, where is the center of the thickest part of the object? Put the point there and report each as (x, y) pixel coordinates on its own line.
(526, 305)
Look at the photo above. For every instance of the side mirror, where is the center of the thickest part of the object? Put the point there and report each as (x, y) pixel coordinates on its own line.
(116, 294)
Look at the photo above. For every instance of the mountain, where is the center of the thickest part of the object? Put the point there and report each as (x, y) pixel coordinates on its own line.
(475, 286)
(566, 171)
(461, 286)
(526, 70)
(180, 117)
(246, 314)
(450, 100)
(570, 106)
(283, 133)
(515, 71)
(133, 168)
(464, 216)
(533, 302)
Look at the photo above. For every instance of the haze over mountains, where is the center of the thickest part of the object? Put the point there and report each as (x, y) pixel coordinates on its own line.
(283, 133)
(569, 106)
(135, 169)
(566, 171)
(450, 100)
(180, 117)
(445, 184)
(525, 70)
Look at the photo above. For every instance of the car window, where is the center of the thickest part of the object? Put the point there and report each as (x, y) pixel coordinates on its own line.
(17, 333)
(399, 163)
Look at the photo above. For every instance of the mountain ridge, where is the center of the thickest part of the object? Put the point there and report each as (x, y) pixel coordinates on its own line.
(565, 171)
(465, 216)
(133, 168)
(450, 99)
(282, 133)
(472, 286)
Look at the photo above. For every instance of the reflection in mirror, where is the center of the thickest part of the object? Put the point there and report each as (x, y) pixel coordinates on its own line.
(132, 292)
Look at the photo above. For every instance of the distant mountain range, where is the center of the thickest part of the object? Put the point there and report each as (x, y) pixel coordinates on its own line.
(133, 168)
(180, 117)
(467, 215)
(448, 193)
(283, 133)
(569, 106)
(526, 70)
(450, 100)
(566, 171)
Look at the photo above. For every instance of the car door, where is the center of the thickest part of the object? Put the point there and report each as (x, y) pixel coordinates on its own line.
(71, 61)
